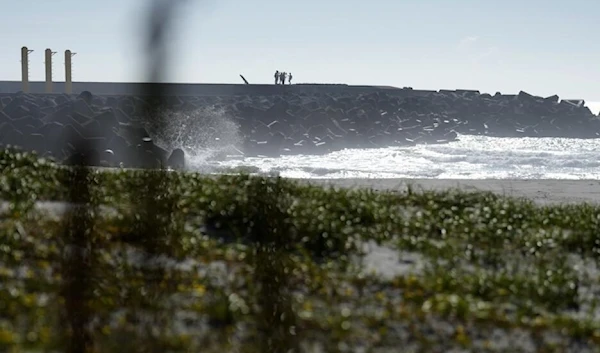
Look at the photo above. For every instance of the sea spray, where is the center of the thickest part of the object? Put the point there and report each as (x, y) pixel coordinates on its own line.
(204, 133)
(472, 157)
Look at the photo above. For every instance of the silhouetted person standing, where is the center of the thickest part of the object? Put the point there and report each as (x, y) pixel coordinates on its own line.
(277, 77)
(290, 78)
(283, 76)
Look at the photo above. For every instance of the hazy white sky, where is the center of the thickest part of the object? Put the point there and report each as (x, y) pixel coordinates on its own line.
(543, 47)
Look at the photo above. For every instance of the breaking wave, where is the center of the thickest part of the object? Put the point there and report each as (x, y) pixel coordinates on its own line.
(203, 133)
(472, 157)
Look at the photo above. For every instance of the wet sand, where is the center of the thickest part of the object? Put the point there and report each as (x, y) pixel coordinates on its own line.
(540, 191)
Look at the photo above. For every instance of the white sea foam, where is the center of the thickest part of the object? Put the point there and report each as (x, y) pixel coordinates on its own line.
(472, 157)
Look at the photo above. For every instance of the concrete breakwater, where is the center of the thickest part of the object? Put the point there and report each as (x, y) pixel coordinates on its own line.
(275, 120)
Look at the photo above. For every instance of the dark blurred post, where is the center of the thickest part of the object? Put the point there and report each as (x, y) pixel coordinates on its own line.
(277, 322)
(160, 19)
(156, 200)
(78, 258)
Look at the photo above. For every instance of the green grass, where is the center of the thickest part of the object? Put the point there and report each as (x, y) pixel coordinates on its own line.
(500, 274)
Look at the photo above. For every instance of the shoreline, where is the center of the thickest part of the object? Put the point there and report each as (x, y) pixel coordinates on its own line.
(543, 191)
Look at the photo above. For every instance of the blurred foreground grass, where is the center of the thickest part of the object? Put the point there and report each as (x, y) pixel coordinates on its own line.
(256, 264)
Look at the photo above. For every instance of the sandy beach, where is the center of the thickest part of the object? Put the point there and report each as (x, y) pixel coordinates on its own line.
(540, 191)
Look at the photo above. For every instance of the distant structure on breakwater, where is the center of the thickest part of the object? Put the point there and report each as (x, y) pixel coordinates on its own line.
(199, 89)
(194, 89)
(48, 87)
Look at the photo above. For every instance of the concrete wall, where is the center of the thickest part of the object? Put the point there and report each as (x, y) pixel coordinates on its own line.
(215, 89)
(183, 89)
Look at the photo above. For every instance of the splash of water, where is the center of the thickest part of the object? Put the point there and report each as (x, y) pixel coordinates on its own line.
(203, 134)
(471, 157)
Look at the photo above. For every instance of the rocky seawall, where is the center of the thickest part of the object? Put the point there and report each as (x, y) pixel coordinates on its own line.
(122, 129)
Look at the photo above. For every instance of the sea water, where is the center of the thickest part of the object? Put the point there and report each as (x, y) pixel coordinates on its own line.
(471, 157)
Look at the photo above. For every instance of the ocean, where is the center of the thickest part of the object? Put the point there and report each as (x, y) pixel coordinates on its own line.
(471, 157)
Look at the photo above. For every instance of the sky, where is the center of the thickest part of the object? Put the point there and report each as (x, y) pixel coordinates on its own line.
(542, 47)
